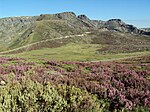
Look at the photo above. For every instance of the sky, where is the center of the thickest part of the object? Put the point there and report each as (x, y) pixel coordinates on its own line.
(136, 12)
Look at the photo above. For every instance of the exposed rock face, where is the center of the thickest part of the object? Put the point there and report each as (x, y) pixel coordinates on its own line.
(86, 21)
(146, 29)
(82, 21)
(16, 22)
(83, 17)
(66, 15)
(58, 16)
(119, 25)
(13, 26)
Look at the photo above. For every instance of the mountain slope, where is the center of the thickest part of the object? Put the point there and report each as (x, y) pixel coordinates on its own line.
(13, 26)
(20, 31)
(45, 29)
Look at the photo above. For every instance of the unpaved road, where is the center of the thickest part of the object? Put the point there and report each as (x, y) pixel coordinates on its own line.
(26, 46)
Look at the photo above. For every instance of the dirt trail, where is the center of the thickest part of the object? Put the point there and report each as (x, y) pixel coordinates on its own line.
(26, 46)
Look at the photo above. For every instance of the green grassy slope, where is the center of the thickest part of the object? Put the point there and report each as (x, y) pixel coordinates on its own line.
(76, 52)
(45, 29)
(97, 45)
(47, 39)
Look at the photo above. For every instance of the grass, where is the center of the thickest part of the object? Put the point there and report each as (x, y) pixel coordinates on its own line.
(96, 46)
(76, 52)
(42, 30)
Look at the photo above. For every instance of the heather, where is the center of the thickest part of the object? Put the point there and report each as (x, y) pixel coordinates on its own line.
(46, 85)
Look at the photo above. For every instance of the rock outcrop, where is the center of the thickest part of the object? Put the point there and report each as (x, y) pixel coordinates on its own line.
(119, 25)
(12, 27)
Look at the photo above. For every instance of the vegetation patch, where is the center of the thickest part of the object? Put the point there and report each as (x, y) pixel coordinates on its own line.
(35, 85)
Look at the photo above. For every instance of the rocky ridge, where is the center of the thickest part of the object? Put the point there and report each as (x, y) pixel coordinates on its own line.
(14, 25)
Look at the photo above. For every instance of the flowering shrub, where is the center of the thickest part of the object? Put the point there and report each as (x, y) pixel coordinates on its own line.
(74, 86)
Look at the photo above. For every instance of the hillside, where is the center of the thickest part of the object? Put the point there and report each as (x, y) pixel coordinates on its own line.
(20, 31)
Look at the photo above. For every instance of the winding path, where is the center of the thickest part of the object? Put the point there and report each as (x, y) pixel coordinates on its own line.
(26, 46)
